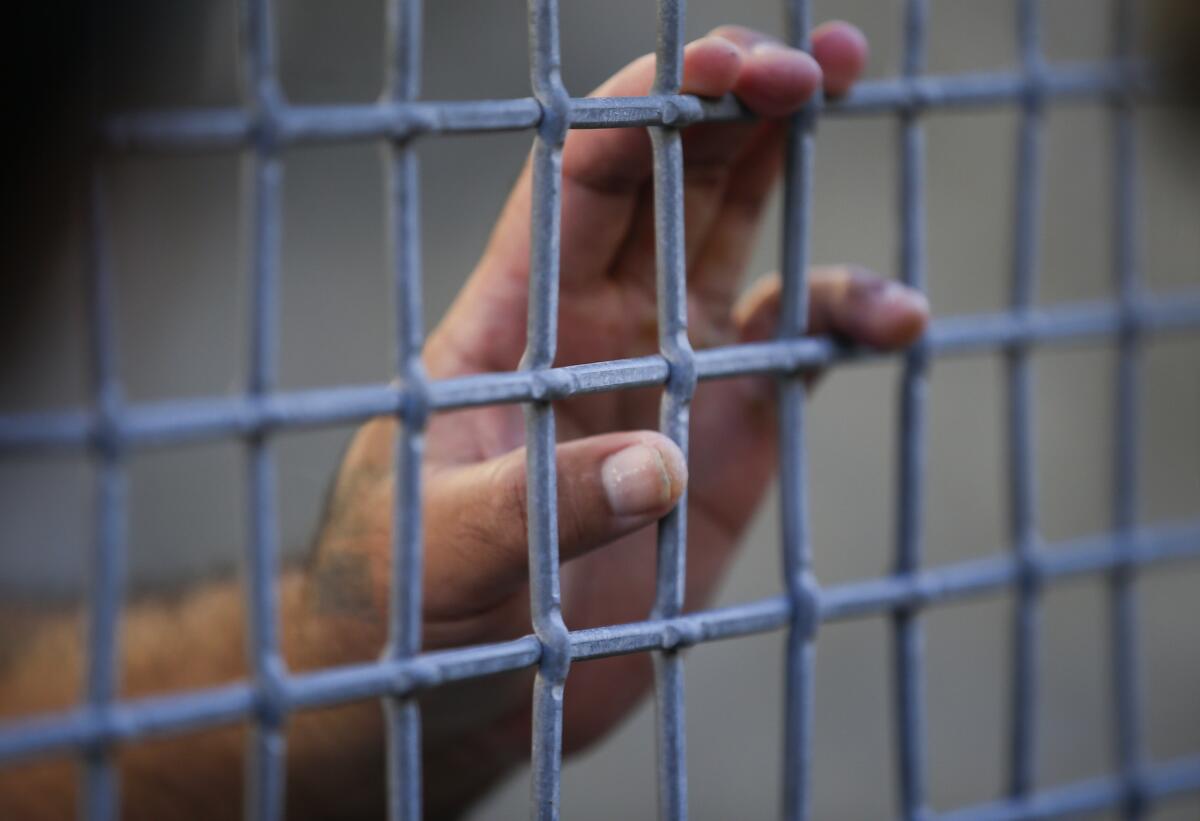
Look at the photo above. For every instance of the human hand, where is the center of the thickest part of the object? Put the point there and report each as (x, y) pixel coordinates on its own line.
(616, 476)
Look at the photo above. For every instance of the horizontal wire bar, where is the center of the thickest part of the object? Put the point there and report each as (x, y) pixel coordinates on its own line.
(947, 583)
(232, 128)
(404, 676)
(174, 714)
(313, 124)
(1063, 83)
(681, 631)
(139, 718)
(1156, 783)
(179, 421)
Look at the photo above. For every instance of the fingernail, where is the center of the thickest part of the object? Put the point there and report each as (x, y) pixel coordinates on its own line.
(901, 296)
(888, 292)
(785, 78)
(640, 479)
(898, 314)
(769, 47)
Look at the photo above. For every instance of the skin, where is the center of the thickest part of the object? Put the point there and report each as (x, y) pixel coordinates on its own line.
(616, 475)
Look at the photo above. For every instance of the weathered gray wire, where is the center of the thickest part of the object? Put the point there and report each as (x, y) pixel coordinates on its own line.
(225, 129)
(112, 428)
(795, 547)
(667, 147)
(1124, 661)
(107, 557)
(403, 715)
(265, 758)
(908, 639)
(1022, 470)
(167, 423)
(542, 496)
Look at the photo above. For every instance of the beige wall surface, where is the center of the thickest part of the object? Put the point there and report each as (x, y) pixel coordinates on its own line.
(183, 313)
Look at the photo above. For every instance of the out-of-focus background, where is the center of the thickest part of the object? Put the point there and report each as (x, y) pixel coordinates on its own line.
(180, 262)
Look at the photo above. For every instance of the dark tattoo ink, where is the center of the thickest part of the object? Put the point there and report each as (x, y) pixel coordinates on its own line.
(343, 586)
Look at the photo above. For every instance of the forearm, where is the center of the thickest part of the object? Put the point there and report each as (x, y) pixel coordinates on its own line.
(184, 643)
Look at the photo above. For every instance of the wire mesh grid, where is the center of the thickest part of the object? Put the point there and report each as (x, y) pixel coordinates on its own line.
(112, 429)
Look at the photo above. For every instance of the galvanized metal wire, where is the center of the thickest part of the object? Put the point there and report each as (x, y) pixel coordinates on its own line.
(113, 429)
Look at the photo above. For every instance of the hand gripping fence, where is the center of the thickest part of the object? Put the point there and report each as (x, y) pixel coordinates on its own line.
(112, 429)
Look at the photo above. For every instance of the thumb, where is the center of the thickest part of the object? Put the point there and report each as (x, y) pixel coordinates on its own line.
(475, 516)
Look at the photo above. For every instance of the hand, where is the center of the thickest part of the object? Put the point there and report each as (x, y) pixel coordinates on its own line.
(616, 476)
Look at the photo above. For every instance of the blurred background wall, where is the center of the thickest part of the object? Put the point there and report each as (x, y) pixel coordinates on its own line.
(183, 300)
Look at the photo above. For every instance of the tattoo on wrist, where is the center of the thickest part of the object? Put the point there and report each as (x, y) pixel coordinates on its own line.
(342, 586)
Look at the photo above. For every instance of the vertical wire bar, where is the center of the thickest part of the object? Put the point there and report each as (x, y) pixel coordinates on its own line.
(265, 774)
(403, 715)
(1022, 470)
(107, 564)
(671, 266)
(793, 485)
(542, 335)
(100, 791)
(1123, 594)
(908, 641)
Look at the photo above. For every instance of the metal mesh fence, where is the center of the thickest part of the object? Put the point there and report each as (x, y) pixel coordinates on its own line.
(113, 429)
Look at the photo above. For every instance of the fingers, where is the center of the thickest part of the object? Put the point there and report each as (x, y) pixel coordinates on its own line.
(842, 51)
(725, 231)
(475, 517)
(604, 170)
(848, 303)
(771, 79)
(618, 160)
(775, 80)
(721, 233)
(851, 304)
(729, 234)
(605, 173)
(858, 307)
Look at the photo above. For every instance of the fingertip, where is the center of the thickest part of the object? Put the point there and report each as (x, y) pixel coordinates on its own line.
(842, 51)
(646, 477)
(711, 66)
(743, 37)
(776, 80)
(674, 465)
(911, 318)
(897, 315)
